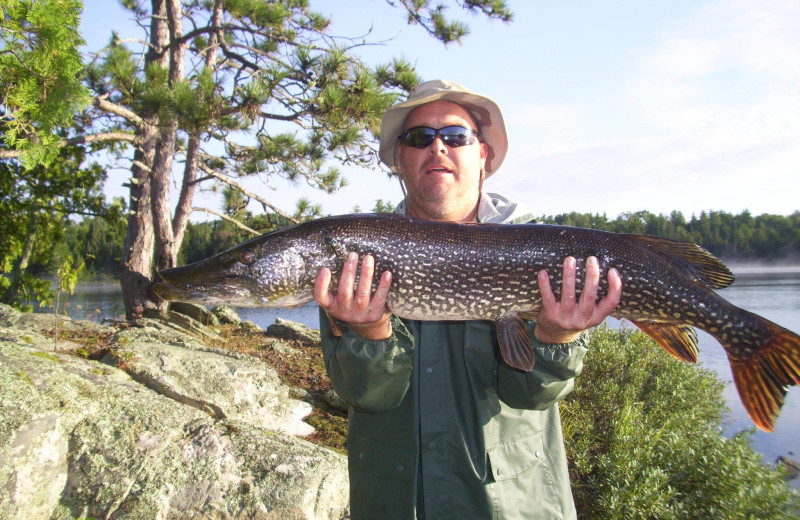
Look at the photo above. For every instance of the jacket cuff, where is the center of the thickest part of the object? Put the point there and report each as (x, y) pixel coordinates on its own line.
(581, 341)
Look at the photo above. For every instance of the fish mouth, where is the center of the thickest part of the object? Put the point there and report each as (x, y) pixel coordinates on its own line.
(221, 293)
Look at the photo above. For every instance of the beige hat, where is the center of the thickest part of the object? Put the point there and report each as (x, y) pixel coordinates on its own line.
(483, 109)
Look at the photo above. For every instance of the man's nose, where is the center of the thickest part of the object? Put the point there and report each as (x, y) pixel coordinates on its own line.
(437, 146)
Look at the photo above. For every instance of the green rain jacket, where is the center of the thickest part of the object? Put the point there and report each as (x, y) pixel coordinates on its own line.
(441, 429)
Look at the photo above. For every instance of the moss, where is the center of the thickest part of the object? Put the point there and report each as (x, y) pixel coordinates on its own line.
(25, 377)
(46, 355)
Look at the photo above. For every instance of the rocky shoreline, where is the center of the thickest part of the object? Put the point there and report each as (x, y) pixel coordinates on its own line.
(164, 425)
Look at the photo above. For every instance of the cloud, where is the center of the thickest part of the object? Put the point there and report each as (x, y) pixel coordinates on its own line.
(706, 118)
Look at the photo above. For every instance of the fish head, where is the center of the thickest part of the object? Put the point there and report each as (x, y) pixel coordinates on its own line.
(268, 271)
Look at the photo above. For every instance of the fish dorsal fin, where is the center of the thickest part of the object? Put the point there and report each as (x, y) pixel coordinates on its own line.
(708, 268)
(679, 340)
(515, 343)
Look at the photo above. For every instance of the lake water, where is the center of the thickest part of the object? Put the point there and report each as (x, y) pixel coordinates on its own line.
(772, 293)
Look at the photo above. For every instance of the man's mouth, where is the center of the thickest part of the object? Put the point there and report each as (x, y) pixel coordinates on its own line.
(438, 169)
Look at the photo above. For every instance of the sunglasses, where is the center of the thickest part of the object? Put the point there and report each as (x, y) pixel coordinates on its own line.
(452, 136)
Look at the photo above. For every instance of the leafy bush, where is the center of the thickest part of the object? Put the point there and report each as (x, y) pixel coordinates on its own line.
(644, 438)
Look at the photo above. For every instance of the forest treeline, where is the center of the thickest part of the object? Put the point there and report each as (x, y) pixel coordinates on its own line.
(739, 238)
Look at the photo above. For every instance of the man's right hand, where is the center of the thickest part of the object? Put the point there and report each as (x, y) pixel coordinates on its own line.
(363, 312)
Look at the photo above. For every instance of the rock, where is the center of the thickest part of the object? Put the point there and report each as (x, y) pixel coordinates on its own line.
(176, 321)
(224, 384)
(81, 438)
(196, 312)
(291, 330)
(281, 348)
(226, 315)
(334, 401)
(790, 466)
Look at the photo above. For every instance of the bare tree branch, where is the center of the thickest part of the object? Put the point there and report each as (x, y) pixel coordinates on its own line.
(107, 106)
(241, 188)
(229, 219)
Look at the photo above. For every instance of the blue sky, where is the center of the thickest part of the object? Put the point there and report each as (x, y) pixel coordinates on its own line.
(610, 106)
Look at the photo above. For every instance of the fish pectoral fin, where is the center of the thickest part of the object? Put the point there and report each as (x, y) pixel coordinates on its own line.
(678, 340)
(335, 329)
(515, 343)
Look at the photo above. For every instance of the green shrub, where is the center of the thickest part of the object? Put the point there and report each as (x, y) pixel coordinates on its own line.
(644, 439)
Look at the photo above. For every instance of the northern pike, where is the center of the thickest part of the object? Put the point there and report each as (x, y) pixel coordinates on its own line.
(450, 271)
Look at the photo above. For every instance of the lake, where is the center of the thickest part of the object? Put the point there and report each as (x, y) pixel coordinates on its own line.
(772, 293)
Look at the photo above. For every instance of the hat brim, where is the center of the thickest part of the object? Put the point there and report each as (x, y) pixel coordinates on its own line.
(485, 111)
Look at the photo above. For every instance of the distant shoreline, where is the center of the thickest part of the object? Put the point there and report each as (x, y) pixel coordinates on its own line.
(764, 269)
(738, 269)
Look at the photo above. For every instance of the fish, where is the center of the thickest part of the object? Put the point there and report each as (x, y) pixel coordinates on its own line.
(453, 271)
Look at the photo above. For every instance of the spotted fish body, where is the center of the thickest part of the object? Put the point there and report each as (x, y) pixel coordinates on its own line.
(449, 271)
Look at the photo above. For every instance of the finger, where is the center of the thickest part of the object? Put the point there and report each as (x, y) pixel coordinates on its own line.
(364, 289)
(322, 284)
(382, 292)
(612, 299)
(378, 304)
(344, 295)
(549, 302)
(590, 284)
(568, 284)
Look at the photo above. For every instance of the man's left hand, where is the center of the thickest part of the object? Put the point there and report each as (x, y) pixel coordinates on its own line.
(563, 321)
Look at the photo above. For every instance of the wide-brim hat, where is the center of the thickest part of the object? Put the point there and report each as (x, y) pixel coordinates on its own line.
(484, 109)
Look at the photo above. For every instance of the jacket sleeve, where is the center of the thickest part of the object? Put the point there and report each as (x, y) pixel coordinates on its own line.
(551, 378)
(371, 376)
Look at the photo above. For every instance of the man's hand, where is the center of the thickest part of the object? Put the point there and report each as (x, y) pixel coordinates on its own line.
(562, 322)
(363, 312)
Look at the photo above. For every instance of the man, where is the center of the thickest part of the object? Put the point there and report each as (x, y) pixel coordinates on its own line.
(440, 427)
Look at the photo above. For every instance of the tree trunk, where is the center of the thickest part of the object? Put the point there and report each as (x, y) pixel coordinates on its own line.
(137, 259)
(166, 250)
(184, 207)
(137, 265)
(21, 264)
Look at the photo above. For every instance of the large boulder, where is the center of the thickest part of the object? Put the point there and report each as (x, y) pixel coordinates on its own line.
(286, 329)
(224, 384)
(180, 431)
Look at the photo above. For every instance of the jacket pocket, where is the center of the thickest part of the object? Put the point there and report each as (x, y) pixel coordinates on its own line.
(380, 460)
(511, 460)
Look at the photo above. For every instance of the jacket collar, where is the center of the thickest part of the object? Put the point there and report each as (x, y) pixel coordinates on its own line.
(493, 208)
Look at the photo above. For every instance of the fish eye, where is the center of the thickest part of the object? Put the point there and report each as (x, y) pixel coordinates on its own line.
(246, 256)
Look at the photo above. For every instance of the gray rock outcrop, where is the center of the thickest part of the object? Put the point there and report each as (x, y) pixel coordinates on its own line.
(163, 428)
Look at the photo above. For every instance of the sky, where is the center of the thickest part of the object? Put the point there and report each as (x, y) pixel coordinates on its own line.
(610, 107)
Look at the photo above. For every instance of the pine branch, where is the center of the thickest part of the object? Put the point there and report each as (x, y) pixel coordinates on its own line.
(83, 139)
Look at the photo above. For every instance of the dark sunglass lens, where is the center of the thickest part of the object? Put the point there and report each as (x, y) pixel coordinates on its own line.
(419, 136)
(452, 136)
(455, 136)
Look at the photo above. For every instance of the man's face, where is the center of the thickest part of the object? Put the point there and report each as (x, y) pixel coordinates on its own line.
(443, 183)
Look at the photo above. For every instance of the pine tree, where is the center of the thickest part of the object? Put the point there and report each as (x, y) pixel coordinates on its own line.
(235, 88)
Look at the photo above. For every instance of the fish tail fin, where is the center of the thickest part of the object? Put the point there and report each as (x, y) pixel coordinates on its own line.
(761, 378)
(678, 340)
